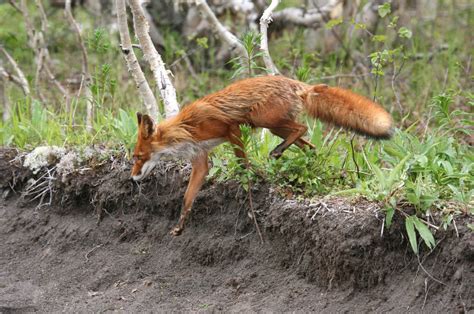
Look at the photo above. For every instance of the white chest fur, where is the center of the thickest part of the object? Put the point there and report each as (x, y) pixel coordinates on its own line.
(188, 150)
(185, 150)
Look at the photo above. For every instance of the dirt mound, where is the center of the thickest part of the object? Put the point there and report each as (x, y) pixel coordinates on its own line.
(325, 256)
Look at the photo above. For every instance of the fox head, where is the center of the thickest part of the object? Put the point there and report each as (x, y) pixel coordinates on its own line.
(154, 142)
(144, 160)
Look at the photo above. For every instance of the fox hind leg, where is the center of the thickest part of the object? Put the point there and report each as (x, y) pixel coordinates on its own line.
(235, 139)
(300, 142)
(291, 131)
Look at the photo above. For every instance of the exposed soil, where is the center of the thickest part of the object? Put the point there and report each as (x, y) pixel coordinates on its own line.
(328, 256)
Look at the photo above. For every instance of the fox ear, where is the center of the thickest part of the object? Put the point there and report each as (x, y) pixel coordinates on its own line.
(305, 93)
(139, 117)
(147, 126)
(320, 88)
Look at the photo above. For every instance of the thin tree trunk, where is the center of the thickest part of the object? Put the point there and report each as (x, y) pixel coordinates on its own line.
(167, 91)
(3, 95)
(265, 20)
(86, 77)
(132, 62)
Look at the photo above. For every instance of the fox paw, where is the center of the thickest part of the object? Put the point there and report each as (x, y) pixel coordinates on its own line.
(275, 154)
(176, 231)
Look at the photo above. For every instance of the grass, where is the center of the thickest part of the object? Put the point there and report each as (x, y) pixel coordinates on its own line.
(425, 173)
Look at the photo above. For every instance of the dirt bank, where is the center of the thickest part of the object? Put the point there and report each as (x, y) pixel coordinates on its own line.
(328, 256)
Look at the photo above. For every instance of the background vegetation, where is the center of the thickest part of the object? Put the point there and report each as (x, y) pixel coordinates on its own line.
(420, 70)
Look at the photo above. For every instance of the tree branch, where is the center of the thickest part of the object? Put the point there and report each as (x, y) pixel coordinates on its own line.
(37, 44)
(301, 17)
(265, 20)
(167, 91)
(42, 48)
(132, 63)
(224, 34)
(20, 79)
(85, 66)
(3, 96)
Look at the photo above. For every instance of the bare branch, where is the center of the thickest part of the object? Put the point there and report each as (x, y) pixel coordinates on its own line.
(3, 96)
(132, 62)
(85, 66)
(23, 8)
(308, 18)
(265, 20)
(37, 44)
(44, 61)
(167, 91)
(20, 79)
(15, 5)
(224, 34)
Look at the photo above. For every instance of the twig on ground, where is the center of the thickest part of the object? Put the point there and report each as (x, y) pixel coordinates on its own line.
(92, 250)
(426, 293)
(427, 273)
(254, 216)
(41, 187)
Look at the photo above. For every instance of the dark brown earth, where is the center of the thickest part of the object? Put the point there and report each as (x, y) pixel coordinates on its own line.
(328, 256)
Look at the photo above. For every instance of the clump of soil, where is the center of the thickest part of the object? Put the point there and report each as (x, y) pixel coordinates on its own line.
(100, 242)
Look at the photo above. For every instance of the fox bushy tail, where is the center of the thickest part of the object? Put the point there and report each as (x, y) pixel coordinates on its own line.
(348, 110)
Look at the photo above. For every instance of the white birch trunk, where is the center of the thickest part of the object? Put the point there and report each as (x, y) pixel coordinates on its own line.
(167, 91)
(132, 62)
(265, 20)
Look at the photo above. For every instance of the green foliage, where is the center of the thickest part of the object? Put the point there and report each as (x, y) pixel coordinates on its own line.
(98, 41)
(404, 32)
(246, 66)
(334, 22)
(452, 121)
(34, 125)
(202, 41)
(413, 223)
(384, 9)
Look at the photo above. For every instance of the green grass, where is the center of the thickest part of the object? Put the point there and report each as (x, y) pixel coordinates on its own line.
(425, 171)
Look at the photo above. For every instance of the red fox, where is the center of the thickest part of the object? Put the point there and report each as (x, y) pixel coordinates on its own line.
(272, 102)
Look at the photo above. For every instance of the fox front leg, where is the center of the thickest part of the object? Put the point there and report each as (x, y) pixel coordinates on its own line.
(198, 174)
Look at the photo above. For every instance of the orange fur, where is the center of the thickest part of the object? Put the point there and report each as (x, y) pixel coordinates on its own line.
(273, 102)
(347, 109)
